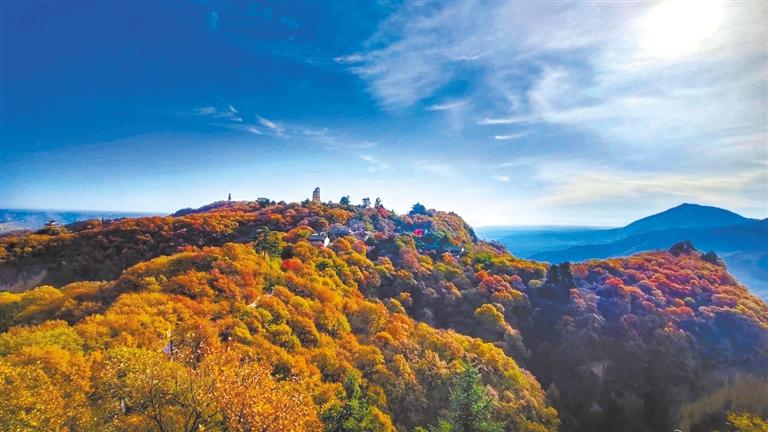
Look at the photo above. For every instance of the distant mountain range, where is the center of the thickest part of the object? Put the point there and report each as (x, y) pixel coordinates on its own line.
(741, 242)
(686, 216)
(20, 219)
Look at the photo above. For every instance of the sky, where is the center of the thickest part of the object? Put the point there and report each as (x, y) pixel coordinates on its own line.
(566, 113)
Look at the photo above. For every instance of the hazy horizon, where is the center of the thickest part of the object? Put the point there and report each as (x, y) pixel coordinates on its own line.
(402, 211)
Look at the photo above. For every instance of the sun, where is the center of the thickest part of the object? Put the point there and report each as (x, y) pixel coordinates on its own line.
(677, 28)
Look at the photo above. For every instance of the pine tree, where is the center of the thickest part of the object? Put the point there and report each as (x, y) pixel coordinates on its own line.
(471, 409)
(352, 415)
(268, 242)
(418, 209)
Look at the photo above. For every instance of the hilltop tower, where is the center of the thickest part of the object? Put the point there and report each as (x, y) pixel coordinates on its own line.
(316, 195)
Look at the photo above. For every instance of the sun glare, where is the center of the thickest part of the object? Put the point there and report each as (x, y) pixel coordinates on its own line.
(677, 28)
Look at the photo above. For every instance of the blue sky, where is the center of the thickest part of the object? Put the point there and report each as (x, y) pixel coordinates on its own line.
(507, 113)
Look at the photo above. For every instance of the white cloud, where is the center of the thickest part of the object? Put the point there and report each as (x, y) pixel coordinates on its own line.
(209, 110)
(502, 178)
(454, 112)
(410, 61)
(508, 137)
(363, 145)
(661, 97)
(504, 121)
(228, 113)
(331, 140)
(583, 65)
(517, 162)
(374, 164)
(350, 59)
(231, 118)
(570, 187)
(273, 126)
(448, 105)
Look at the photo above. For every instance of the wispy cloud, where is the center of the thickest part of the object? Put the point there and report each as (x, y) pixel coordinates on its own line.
(333, 140)
(374, 164)
(403, 70)
(517, 162)
(502, 178)
(209, 110)
(628, 84)
(273, 126)
(350, 59)
(448, 105)
(570, 186)
(228, 116)
(504, 121)
(588, 66)
(508, 137)
(363, 145)
(228, 112)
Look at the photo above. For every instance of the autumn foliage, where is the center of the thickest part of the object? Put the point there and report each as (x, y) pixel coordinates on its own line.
(226, 318)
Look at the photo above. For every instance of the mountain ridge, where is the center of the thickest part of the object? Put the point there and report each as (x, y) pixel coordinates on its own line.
(686, 215)
(741, 242)
(391, 311)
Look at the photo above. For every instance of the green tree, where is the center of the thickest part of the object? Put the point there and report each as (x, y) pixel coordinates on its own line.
(352, 415)
(268, 242)
(366, 202)
(441, 426)
(344, 200)
(418, 209)
(471, 409)
(378, 202)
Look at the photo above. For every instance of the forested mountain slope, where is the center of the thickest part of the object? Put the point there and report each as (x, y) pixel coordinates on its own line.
(397, 324)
